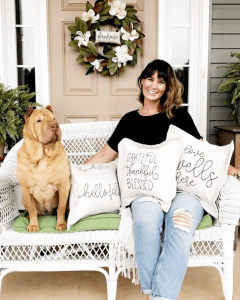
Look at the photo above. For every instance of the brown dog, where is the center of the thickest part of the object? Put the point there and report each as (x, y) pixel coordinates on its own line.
(42, 168)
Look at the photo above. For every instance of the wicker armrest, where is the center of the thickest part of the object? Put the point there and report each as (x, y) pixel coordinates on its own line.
(8, 208)
(8, 179)
(228, 202)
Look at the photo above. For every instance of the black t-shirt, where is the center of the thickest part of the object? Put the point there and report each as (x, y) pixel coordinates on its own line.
(151, 130)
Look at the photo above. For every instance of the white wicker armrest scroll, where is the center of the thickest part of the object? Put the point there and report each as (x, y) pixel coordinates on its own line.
(8, 179)
(228, 202)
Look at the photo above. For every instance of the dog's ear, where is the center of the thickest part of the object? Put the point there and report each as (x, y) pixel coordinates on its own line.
(28, 113)
(49, 107)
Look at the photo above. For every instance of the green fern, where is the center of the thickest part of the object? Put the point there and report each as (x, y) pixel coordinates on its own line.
(231, 84)
(14, 103)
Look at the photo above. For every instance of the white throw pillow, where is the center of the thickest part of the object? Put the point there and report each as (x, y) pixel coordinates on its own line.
(148, 170)
(202, 169)
(94, 190)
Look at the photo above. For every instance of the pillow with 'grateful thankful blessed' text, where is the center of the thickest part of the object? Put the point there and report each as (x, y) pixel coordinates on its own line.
(202, 168)
(94, 190)
(148, 170)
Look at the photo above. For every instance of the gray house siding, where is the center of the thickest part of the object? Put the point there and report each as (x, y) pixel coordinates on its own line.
(225, 38)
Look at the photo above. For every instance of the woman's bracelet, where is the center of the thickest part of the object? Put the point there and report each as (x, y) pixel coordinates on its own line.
(236, 175)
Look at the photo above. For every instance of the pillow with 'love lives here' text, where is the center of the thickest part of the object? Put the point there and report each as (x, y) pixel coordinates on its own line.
(202, 168)
(94, 190)
(148, 170)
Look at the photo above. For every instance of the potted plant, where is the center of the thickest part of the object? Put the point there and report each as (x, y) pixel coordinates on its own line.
(14, 103)
(232, 86)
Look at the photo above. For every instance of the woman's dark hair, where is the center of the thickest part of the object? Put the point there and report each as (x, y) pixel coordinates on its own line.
(173, 94)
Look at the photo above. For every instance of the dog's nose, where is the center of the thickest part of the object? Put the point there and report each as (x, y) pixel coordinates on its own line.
(54, 126)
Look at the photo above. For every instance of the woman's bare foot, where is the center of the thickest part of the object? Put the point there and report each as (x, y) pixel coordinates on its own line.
(148, 297)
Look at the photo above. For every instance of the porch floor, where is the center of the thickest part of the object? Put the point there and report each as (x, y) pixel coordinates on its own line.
(200, 283)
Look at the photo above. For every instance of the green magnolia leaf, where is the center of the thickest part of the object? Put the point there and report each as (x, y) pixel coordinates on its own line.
(139, 50)
(141, 35)
(131, 9)
(110, 54)
(81, 25)
(105, 72)
(103, 18)
(95, 26)
(132, 45)
(117, 21)
(80, 58)
(131, 14)
(73, 44)
(107, 48)
(134, 61)
(72, 29)
(105, 12)
(125, 22)
(93, 48)
(86, 65)
(85, 51)
(113, 70)
(132, 19)
(88, 6)
(106, 5)
(111, 64)
(128, 43)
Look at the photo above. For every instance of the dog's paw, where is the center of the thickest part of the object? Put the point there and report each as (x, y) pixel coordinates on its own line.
(61, 226)
(33, 228)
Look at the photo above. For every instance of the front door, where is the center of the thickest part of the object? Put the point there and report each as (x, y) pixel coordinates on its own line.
(77, 97)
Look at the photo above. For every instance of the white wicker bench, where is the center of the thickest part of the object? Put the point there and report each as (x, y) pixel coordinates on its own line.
(95, 250)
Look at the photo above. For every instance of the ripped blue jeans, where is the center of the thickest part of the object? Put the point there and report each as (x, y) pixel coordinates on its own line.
(162, 270)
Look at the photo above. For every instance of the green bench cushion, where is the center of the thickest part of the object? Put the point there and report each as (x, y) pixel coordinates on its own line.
(97, 222)
(48, 223)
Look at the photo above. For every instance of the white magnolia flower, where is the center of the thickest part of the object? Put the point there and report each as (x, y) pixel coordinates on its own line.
(90, 16)
(83, 38)
(118, 9)
(122, 55)
(133, 35)
(96, 65)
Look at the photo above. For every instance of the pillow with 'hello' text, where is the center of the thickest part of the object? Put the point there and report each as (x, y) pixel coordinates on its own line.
(148, 170)
(202, 168)
(94, 190)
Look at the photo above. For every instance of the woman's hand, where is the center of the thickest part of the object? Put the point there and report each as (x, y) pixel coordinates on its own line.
(107, 154)
(234, 172)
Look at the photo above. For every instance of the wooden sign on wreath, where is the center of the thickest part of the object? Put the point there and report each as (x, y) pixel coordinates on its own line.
(127, 39)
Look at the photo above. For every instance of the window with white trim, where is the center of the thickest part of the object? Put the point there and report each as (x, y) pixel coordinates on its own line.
(180, 26)
(24, 47)
(184, 43)
(25, 12)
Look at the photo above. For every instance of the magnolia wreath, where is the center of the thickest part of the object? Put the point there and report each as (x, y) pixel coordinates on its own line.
(126, 38)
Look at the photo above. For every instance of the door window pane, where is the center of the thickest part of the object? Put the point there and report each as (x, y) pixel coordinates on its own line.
(25, 46)
(26, 76)
(25, 12)
(182, 75)
(180, 46)
(180, 12)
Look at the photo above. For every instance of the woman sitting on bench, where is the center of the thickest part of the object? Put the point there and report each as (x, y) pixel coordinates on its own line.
(161, 271)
